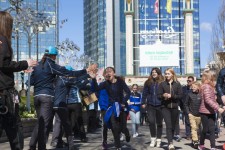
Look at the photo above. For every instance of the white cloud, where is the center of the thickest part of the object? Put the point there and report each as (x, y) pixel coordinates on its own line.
(206, 26)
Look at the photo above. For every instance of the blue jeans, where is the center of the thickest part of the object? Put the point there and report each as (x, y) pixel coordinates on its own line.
(135, 120)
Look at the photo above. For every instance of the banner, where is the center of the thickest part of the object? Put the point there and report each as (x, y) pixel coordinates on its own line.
(169, 6)
(159, 55)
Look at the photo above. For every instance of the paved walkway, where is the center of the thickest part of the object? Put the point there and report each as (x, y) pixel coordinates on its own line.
(140, 143)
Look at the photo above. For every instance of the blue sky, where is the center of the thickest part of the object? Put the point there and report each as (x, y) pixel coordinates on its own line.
(73, 28)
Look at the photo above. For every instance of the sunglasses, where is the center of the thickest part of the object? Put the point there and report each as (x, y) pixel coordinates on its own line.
(189, 81)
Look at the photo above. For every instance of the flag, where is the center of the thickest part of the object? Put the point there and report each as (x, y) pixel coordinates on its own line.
(169, 6)
(156, 10)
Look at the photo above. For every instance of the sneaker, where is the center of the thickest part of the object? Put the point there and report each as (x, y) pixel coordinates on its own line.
(158, 143)
(201, 147)
(178, 138)
(171, 147)
(104, 146)
(137, 134)
(128, 138)
(134, 135)
(121, 137)
(153, 142)
(195, 144)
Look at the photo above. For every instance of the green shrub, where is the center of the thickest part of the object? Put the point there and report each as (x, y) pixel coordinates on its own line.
(23, 108)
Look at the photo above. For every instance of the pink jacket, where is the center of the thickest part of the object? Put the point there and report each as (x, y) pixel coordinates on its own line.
(208, 102)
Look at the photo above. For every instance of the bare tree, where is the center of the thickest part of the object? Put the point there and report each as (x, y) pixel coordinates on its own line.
(217, 56)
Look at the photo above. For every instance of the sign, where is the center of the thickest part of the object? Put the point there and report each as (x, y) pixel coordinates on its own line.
(160, 55)
(169, 33)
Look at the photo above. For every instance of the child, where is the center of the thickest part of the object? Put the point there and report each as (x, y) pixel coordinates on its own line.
(192, 105)
(208, 108)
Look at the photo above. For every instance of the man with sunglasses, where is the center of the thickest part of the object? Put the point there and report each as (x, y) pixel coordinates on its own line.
(186, 89)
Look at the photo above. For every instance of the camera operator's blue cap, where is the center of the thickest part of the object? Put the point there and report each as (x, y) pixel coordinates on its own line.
(51, 50)
(69, 68)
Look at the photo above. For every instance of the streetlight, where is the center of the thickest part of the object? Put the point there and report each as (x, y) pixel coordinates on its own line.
(31, 22)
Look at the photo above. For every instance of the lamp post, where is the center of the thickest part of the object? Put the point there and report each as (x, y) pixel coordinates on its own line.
(31, 22)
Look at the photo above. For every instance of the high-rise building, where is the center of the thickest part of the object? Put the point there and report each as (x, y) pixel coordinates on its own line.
(40, 41)
(105, 32)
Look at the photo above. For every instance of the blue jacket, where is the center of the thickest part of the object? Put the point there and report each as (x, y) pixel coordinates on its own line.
(112, 110)
(42, 78)
(149, 95)
(103, 99)
(62, 87)
(135, 101)
(74, 96)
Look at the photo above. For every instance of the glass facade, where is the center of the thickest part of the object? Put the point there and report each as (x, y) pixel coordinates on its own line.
(148, 20)
(41, 41)
(95, 30)
(95, 34)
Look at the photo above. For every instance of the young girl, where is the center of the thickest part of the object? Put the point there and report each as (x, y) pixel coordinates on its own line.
(170, 92)
(134, 109)
(208, 108)
(153, 104)
(115, 87)
(192, 104)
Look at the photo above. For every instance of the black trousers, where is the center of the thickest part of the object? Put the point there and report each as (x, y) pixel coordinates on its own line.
(44, 109)
(12, 125)
(155, 121)
(11, 122)
(76, 119)
(177, 127)
(208, 125)
(92, 120)
(170, 118)
(61, 120)
(123, 123)
(104, 127)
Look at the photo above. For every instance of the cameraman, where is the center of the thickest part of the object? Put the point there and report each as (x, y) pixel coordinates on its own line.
(9, 100)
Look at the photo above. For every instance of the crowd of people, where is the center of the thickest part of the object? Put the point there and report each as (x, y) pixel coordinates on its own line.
(58, 90)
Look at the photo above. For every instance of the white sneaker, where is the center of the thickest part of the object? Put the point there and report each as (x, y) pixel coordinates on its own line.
(121, 137)
(158, 143)
(153, 142)
(134, 135)
(171, 147)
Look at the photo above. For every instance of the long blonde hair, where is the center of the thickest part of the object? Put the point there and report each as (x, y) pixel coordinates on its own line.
(208, 77)
(173, 73)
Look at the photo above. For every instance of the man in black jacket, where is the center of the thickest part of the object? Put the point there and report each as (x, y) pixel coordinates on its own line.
(187, 89)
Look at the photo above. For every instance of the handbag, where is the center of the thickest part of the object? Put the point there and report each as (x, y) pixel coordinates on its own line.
(90, 98)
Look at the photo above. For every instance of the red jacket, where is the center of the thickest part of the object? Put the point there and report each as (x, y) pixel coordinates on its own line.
(208, 102)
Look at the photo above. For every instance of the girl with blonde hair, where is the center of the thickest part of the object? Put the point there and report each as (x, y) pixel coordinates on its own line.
(208, 108)
(170, 92)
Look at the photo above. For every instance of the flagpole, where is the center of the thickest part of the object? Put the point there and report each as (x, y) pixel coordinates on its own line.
(171, 13)
(158, 16)
(145, 18)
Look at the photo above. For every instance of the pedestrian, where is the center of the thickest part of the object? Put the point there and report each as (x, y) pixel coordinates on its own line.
(134, 109)
(192, 105)
(116, 88)
(62, 87)
(208, 108)
(42, 78)
(153, 105)
(9, 99)
(74, 105)
(187, 89)
(170, 93)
